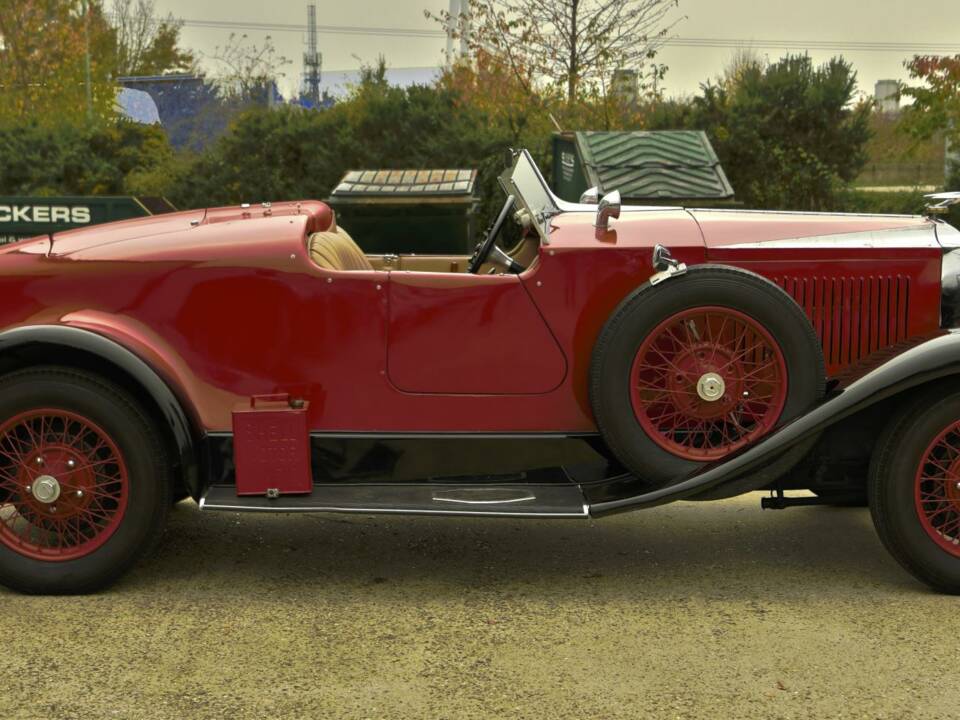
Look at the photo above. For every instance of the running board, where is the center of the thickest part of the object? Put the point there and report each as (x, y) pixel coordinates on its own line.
(519, 500)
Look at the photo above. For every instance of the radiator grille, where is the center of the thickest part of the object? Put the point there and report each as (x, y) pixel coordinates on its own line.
(852, 316)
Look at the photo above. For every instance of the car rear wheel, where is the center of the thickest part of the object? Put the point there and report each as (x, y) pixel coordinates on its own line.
(84, 485)
(914, 489)
(696, 368)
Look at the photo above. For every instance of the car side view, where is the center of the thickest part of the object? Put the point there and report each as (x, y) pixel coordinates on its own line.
(614, 358)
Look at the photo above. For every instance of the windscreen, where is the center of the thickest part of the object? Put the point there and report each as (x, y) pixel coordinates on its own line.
(524, 181)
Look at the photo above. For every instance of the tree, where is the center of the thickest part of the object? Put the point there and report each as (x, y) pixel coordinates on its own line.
(42, 61)
(145, 45)
(789, 134)
(38, 159)
(574, 44)
(248, 71)
(43, 50)
(936, 104)
(490, 87)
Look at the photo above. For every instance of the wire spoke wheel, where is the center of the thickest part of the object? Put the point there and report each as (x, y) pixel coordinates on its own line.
(65, 485)
(937, 490)
(708, 381)
(690, 370)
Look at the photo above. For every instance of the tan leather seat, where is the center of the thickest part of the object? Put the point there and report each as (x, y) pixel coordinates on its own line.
(336, 250)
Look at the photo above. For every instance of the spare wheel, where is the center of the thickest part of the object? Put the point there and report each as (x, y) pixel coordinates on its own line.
(695, 368)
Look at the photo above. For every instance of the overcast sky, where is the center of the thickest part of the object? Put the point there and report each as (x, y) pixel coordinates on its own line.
(759, 22)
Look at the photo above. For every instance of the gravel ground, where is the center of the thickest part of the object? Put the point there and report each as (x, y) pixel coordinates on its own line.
(711, 610)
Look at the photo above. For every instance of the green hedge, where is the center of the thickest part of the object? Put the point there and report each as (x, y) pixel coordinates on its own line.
(896, 203)
(72, 160)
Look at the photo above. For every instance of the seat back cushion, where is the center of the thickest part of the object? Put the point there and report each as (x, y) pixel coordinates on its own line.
(336, 250)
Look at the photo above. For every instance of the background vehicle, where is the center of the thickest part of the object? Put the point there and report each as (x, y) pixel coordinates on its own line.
(614, 358)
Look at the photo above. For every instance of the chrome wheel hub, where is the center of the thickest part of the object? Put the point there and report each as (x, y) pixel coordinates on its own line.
(45, 489)
(710, 387)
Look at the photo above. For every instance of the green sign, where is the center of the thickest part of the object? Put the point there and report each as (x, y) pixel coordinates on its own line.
(23, 217)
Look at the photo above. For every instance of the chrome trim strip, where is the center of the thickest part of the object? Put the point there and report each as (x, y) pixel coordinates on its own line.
(802, 212)
(495, 501)
(924, 236)
(569, 207)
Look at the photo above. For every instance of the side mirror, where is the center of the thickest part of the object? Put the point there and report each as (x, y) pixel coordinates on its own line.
(591, 196)
(609, 207)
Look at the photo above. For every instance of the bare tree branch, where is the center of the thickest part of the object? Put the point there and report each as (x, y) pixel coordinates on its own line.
(145, 45)
(572, 43)
(248, 70)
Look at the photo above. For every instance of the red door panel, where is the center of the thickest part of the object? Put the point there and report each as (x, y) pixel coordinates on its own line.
(468, 334)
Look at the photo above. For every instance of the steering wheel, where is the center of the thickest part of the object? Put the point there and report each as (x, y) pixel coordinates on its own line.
(485, 246)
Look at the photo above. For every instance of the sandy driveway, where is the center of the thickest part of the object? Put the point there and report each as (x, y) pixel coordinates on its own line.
(692, 610)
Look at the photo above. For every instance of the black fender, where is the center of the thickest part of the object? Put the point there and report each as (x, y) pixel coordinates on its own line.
(930, 360)
(142, 373)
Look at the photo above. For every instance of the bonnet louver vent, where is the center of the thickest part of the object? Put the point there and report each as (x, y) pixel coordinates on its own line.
(852, 316)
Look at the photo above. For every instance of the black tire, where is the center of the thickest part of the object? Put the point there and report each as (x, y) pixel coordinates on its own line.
(640, 313)
(137, 529)
(892, 483)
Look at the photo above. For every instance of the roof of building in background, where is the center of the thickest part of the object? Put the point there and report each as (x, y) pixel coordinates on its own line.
(337, 83)
(127, 80)
(665, 164)
(190, 107)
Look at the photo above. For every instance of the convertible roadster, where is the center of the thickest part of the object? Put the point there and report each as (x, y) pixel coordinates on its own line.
(610, 359)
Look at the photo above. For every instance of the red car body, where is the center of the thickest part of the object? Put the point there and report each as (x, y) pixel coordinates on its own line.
(211, 352)
(226, 303)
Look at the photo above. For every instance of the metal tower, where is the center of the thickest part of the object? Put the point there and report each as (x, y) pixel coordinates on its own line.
(312, 59)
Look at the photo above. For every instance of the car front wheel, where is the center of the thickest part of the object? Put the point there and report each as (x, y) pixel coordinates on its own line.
(914, 490)
(84, 485)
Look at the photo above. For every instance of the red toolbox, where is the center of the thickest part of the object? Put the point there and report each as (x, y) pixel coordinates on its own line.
(271, 446)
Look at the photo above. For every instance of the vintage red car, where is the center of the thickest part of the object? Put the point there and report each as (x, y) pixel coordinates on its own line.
(612, 359)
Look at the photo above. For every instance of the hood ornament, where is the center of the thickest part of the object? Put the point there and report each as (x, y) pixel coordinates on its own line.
(940, 203)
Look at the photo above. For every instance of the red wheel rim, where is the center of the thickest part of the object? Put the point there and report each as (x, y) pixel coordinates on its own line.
(937, 490)
(707, 381)
(64, 484)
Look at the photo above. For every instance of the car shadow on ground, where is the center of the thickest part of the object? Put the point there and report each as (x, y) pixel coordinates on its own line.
(725, 548)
